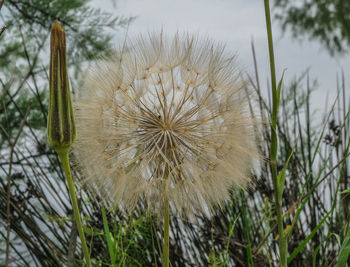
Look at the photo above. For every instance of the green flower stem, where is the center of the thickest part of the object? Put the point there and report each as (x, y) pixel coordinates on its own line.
(283, 246)
(64, 157)
(166, 232)
(166, 220)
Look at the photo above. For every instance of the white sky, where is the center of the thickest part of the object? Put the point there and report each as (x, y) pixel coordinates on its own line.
(236, 22)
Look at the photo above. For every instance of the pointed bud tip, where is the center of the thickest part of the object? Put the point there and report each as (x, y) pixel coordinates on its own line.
(56, 26)
(58, 35)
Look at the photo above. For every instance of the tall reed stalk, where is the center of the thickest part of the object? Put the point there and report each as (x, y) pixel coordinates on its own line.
(278, 184)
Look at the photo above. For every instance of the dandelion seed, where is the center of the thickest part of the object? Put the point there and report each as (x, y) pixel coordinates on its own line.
(168, 118)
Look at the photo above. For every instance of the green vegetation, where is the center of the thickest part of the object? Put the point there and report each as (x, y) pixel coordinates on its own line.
(327, 21)
(295, 211)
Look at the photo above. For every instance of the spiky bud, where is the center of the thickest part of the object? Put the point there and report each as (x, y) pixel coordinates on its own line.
(60, 126)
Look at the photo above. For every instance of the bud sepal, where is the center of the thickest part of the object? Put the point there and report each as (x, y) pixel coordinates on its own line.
(61, 130)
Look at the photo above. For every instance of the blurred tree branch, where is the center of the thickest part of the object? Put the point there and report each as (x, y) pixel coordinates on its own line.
(327, 21)
(2, 29)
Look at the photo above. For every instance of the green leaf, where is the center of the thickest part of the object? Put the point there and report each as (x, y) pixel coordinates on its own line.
(347, 191)
(109, 238)
(279, 86)
(282, 175)
(344, 252)
(229, 238)
(308, 238)
(91, 231)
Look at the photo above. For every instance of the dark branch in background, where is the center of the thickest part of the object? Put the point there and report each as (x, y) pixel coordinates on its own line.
(2, 29)
(327, 21)
(8, 210)
(86, 40)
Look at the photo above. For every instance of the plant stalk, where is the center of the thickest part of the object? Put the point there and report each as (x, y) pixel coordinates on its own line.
(64, 157)
(283, 246)
(166, 232)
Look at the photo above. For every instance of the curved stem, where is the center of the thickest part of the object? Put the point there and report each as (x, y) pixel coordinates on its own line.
(64, 157)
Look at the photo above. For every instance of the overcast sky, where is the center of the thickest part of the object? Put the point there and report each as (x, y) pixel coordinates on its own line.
(236, 22)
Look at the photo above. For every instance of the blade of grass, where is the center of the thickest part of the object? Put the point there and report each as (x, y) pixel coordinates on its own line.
(229, 239)
(110, 241)
(246, 224)
(314, 231)
(307, 239)
(303, 203)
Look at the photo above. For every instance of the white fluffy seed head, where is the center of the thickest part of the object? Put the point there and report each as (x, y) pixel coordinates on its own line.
(166, 117)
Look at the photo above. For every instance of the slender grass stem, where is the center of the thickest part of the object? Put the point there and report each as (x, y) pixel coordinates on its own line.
(64, 157)
(166, 232)
(283, 246)
(246, 224)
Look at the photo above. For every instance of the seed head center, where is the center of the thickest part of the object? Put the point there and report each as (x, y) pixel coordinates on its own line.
(166, 127)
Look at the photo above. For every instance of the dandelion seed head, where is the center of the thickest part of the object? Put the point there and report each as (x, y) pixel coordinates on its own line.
(165, 117)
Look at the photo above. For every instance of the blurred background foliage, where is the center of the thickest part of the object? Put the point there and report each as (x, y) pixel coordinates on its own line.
(244, 233)
(325, 20)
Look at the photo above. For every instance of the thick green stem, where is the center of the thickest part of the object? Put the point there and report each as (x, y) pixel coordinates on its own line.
(283, 248)
(166, 232)
(65, 165)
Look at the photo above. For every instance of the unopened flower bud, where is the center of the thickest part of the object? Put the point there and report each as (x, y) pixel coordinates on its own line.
(61, 126)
